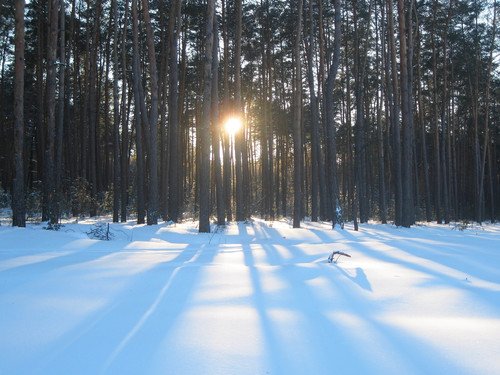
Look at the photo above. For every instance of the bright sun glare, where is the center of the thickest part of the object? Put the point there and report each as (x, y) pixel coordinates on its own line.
(232, 125)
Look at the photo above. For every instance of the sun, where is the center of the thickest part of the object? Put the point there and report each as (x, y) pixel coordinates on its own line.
(232, 125)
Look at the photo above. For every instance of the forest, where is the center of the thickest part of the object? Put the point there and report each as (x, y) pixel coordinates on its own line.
(341, 110)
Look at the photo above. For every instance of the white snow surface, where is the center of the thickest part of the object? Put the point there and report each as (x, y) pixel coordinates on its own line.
(256, 298)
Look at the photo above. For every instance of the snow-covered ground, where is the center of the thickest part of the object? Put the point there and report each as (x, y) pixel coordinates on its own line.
(256, 298)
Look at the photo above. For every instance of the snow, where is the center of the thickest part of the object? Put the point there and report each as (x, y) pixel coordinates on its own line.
(256, 298)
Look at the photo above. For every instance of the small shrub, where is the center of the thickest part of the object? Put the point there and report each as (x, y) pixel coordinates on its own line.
(100, 231)
(51, 226)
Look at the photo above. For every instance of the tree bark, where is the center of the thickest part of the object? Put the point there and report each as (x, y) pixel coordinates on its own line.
(408, 216)
(204, 137)
(298, 157)
(18, 196)
(174, 160)
(152, 136)
(124, 122)
(141, 211)
(116, 116)
(50, 175)
(329, 116)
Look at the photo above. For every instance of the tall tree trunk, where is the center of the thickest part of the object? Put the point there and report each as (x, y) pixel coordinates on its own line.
(408, 216)
(487, 112)
(394, 111)
(423, 134)
(216, 129)
(324, 207)
(93, 110)
(60, 109)
(49, 176)
(298, 157)
(380, 129)
(116, 116)
(137, 116)
(240, 136)
(174, 160)
(437, 154)
(152, 136)
(124, 122)
(18, 196)
(226, 138)
(315, 147)
(329, 116)
(204, 137)
(40, 118)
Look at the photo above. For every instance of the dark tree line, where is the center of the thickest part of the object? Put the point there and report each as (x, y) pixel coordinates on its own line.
(350, 109)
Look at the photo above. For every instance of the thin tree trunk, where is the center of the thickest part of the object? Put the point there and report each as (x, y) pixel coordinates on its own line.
(216, 129)
(61, 101)
(174, 160)
(315, 148)
(239, 137)
(18, 196)
(298, 157)
(124, 122)
(116, 116)
(394, 106)
(226, 138)
(137, 117)
(93, 117)
(49, 182)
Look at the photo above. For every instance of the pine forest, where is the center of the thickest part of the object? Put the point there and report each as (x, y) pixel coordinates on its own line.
(341, 110)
